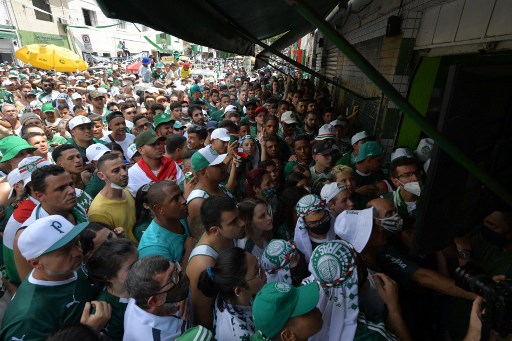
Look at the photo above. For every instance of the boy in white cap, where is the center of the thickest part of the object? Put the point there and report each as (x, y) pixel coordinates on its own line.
(57, 292)
(358, 139)
(337, 197)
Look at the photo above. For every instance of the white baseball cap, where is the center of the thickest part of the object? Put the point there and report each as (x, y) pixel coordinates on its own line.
(288, 117)
(326, 132)
(230, 108)
(90, 88)
(340, 123)
(355, 227)
(206, 157)
(78, 121)
(46, 235)
(102, 91)
(7, 82)
(401, 152)
(76, 95)
(95, 151)
(28, 165)
(220, 133)
(71, 78)
(358, 137)
(330, 190)
(131, 151)
(13, 178)
(152, 90)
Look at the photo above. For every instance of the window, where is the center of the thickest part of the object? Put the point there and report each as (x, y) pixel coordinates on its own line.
(89, 17)
(44, 5)
(106, 54)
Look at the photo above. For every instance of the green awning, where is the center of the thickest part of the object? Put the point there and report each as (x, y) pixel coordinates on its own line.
(8, 35)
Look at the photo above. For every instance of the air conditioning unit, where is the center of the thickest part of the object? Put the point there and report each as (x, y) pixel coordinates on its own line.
(63, 21)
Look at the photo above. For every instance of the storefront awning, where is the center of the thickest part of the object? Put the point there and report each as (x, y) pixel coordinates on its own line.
(220, 24)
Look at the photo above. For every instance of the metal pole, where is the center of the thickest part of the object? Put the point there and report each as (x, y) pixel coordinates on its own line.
(376, 77)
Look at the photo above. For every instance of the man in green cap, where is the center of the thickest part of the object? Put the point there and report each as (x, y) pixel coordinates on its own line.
(50, 118)
(370, 180)
(14, 149)
(158, 74)
(194, 93)
(153, 166)
(163, 124)
(283, 312)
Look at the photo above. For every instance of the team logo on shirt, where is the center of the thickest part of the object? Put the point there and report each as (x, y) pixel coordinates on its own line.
(72, 303)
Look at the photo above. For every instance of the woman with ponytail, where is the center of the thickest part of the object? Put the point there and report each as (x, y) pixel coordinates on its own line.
(234, 279)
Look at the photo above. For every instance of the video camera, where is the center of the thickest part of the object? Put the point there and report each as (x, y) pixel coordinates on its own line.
(497, 306)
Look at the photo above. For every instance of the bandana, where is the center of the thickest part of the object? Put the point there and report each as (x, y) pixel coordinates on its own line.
(243, 138)
(167, 171)
(333, 267)
(308, 204)
(276, 260)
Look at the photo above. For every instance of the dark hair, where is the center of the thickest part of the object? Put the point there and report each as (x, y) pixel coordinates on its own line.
(188, 154)
(212, 209)
(111, 104)
(40, 174)
(300, 138)
(106, 261)
(140, 281)
(201, 132)
(173, 106)
(246, 208)
(194, 107)
(108, 156)
(253, 179)
(142, 214)
(213, 91)
(270, 118)
(286, 206)
(228, 272)
(156, 194)
(155, 107)
(294, 178)
(57, 152)
(228, 124)
(267, 163)
(174, 141)
(77, 332)
(78, 107)
(114, 146)
(403, 161)
(87, 236)
(138, 117)
(62, 106)
(128, 104)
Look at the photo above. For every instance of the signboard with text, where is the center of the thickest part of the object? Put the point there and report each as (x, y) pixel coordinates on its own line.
(86, 40)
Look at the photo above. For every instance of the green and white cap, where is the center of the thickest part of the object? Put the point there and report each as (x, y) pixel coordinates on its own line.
(277, 255)
(205, 157)
(131, 151)
(276, 303)
(28, 165)
(48, 234)
(333, 263)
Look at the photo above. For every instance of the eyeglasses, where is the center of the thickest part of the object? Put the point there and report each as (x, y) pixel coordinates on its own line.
(260, 273)
(174, 279)
(410, 175)
(324, 219)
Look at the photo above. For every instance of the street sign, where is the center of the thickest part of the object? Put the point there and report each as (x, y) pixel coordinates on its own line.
(86, 40)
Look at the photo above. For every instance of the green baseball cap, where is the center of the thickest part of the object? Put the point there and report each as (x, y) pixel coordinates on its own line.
(147, 137)
(277, 302)
(367, 149)
(10, 146)
(48, 107)
(162, 118)
(198, 333)
(159, 65)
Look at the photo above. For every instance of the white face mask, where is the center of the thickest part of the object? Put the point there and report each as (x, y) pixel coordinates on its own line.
(413, 188)
(115, 186)
(184, 110)
(392, 224)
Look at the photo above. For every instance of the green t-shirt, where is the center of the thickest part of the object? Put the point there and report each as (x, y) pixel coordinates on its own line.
(6, 97)
(115, 326)
(139, 230)
(396, 265)
(217, 115)
(347, 159)
(81, 149)
(94, 185)
(39, 308)
(57, 140)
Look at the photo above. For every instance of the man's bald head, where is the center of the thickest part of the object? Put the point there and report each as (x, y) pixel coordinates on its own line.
(156, 193)
(382, 208)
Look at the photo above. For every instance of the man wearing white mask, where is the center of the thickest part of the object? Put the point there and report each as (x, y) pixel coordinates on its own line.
(406, 175)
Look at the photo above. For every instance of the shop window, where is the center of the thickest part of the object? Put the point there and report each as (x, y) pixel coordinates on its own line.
(43, 5)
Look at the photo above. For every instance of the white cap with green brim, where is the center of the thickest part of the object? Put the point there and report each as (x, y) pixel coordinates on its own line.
(46, 235)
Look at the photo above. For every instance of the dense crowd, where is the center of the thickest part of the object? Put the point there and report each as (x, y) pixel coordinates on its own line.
(163, 205)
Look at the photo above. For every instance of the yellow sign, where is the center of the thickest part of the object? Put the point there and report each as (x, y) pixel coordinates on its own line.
(167, 59)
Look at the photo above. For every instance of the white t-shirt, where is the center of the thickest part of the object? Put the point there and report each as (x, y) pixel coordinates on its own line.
(128, 140)
(234, 323)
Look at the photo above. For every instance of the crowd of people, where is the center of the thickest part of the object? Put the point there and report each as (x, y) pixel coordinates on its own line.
(237, 208)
